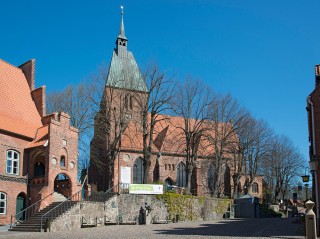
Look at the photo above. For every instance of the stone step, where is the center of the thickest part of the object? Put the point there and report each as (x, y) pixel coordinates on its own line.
(33, 223)
(24, 229)
(28, 225)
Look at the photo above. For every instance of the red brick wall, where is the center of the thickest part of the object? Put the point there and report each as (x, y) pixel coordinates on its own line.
(39, 98)
(12, 189)
(28, 69)
(63, 142)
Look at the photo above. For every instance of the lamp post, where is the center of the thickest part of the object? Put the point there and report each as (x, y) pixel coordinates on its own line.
(313, 169)
(305, 179)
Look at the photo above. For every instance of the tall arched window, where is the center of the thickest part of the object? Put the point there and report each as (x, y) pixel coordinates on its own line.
(131, 103)
(211, 177)
(12, 162)
(3, 203)
(181, 175)
(126, 101)
(138, 171)
(255, 188)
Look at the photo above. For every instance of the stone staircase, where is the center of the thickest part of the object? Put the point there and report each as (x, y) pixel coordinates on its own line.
(58, 197)
(33, 223)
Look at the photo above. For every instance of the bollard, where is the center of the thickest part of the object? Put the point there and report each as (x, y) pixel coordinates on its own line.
(311, 231)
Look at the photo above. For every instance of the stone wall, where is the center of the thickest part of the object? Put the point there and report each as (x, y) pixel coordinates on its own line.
(129, 207)
(125, 208)
(68, 221)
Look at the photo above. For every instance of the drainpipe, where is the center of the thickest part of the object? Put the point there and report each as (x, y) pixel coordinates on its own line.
(313, 155)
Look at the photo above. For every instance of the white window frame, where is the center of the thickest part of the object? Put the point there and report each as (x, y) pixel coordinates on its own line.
(5, 202)
(12, 160)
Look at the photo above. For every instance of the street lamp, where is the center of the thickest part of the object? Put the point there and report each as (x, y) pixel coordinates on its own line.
(305, 179)
(313, 164)
(313, 169)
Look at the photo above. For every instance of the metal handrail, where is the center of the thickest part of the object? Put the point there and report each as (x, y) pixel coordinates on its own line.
(65, 205)
(25, 213)
(61, 206)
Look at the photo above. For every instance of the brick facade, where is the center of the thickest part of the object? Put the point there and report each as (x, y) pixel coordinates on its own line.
(39, 140)
(313, 111)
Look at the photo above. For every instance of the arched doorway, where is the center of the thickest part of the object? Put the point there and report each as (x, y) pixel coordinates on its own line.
(62, 185)
(20, 206)
(168, 184)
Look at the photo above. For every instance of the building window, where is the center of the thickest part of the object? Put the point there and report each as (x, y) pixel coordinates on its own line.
(181, 175)
(3, 203)
(39, 169)
(165, 167)
(62, 161)
(172, 167)
(211, 176)
(126, 99)
(169, 165)
(138, 171)
(255, 188)
(130, 102)
(12, 162)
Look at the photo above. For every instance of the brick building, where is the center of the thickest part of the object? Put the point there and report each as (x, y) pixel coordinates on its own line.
(313, 110)
(119, 123)
(39, 152)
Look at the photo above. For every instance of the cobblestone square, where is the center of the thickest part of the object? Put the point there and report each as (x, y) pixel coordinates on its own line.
(257, 228)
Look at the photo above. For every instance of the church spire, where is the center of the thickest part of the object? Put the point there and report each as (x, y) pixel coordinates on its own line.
(121, 39)
(122, 34)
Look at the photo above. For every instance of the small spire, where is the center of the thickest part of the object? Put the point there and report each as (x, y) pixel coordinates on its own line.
(121, 30)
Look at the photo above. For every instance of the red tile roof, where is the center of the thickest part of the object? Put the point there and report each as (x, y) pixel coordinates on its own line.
(168, 137)
(18, 113)
(41, 137)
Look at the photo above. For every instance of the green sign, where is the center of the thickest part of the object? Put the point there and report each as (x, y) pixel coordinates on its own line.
(145, 189)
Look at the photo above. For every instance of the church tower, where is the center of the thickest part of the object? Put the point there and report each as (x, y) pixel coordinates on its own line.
(125, 93)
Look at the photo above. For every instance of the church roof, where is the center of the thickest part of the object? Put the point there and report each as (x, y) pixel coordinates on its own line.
(124, 72)
(18, 112)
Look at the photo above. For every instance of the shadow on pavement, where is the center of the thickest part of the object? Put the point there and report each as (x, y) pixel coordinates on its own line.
(271, 227)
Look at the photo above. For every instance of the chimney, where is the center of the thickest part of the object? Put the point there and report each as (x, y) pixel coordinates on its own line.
(317, 75)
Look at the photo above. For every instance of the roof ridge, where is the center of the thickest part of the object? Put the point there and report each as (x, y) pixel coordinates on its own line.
(10, 64)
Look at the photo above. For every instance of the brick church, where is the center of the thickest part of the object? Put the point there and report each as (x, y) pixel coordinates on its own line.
(39, 152)
(124, 85)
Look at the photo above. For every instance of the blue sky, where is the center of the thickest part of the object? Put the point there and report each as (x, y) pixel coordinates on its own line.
(262, 52)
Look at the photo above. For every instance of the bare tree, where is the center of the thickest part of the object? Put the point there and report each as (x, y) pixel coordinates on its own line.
(191, 102)
(226, 116)
(259, 138)
(76, 101)
(239, 148)
(281, 165)
(152, 106)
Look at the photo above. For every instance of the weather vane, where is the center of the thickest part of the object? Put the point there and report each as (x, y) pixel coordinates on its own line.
(121, 9)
